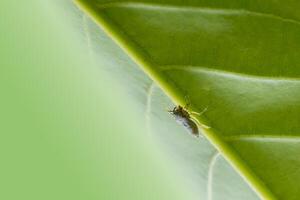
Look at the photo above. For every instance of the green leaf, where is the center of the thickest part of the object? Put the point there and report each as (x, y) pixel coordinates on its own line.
(239, 59)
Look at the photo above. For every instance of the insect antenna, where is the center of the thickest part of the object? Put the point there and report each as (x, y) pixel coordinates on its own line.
(187, 101)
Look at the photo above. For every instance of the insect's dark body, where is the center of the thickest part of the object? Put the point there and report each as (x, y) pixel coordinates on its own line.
(183, 117)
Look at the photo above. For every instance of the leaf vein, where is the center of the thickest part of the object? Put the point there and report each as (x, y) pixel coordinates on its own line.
(211, 174)
(148, 105)
(263, 138)
(87, 35)
(232, 74)
(209, 10)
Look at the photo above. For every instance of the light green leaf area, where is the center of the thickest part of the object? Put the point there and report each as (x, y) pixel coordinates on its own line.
(239, 59)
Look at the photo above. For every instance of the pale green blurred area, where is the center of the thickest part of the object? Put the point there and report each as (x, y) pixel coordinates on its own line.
(67, 130)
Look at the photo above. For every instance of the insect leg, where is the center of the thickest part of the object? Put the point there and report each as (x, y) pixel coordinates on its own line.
(199, 114)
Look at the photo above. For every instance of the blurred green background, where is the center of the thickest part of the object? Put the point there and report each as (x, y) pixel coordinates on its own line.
(67, 130)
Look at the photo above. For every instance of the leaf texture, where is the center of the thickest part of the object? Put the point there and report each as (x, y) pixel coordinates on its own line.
(239, 59)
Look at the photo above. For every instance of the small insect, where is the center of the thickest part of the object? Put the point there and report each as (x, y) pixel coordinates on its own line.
(182, 116)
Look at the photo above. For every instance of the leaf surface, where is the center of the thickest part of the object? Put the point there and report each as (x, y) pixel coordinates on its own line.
(238, 59)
